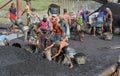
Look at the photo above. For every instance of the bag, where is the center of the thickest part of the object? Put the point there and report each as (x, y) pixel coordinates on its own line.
(117, 31)
(107, 36)
(48, 54)
(80, 58)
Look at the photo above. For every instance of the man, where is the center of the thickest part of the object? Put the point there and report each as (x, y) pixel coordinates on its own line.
(45, 28)
(93, 22)
(27, 10)
(99, 22)
(109, 19)
(64, 27)
(34, 37)
(80, 25)
(12, 11)
(28, 2)
(57, 30)
(34, 17)
(62, 47)
(45, 24)
(68, 21)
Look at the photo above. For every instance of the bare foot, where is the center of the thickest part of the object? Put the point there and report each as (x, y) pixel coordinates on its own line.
(14, 30)
(71, 66)
(81, 40)
(94, 35)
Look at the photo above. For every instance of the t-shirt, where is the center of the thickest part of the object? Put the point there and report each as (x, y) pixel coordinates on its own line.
(45, 25)
(27, 9)
(12, 13)
(101, 14)
(84, 16)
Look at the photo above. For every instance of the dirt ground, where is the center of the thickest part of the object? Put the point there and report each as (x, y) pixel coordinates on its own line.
(18, 62)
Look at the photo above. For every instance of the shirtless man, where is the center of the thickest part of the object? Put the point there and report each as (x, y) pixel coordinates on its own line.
(34, 37)
(68, 21)
(109, 19)
(80, 25)
(62, 46)
(57, 29)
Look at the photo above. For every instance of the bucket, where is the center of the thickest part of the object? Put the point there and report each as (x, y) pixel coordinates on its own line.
(107, 36)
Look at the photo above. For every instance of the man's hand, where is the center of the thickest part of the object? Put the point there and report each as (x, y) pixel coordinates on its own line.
(46, 49)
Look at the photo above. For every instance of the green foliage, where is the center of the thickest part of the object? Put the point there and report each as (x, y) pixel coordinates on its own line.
(38, 4)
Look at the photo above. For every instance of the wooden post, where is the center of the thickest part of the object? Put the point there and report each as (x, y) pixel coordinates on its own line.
(19, 8)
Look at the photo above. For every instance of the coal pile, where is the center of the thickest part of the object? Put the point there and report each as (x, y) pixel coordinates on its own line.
(18, 62)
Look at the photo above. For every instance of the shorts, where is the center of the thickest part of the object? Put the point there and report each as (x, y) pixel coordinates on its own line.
(99, 22)
(33, 40)
(13, 21)
(70, 51)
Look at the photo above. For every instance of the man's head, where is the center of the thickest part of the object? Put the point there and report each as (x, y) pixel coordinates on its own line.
(108, 9)
(12, 5)
(54, 19)
(64, 10)
(33, 9)
(61, 18)
(44, 18)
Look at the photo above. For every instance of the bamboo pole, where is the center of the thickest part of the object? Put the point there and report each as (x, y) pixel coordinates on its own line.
(5, 4)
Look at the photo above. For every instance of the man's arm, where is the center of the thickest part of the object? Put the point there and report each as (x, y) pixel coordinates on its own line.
(62, 44)
(50, 46)
(38, 17)
(57, 53)
(111, 19)
(69, 20)
(104, 20)
(48, 11)
(60, 27)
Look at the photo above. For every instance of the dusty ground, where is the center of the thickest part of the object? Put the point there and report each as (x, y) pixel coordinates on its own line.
(18, 62)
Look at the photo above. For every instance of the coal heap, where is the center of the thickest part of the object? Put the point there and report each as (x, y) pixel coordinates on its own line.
(18, 62)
